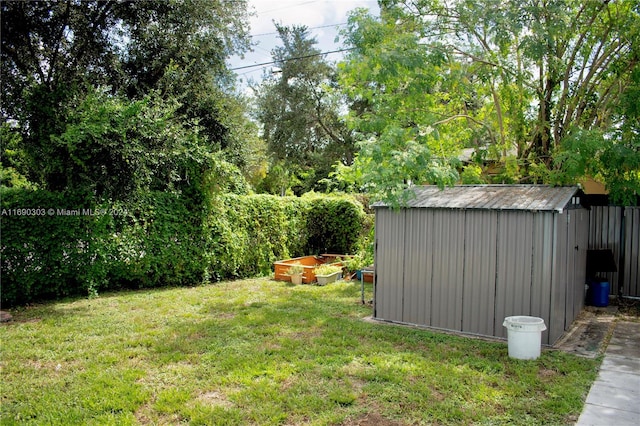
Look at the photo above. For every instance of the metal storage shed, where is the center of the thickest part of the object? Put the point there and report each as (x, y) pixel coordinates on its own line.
(466, 257)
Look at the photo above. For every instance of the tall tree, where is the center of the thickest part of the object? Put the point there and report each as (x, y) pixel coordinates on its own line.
(569, 61)
(521, 76)
(299, 109)
(55, 53)
(611, 156)
(397, 107)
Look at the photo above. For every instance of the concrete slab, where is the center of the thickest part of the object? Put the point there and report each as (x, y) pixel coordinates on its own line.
(614, 398)
(594, 415)
(604, 395)
(624, 381)
(621, 364)
(626, 340)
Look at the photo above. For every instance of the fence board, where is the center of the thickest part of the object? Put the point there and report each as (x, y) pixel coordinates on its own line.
(631, 268)
(608, 230)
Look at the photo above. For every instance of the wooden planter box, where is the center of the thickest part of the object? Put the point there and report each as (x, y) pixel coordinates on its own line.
(309, 263)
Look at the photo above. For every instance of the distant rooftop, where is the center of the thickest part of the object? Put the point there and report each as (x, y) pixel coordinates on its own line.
(493, 197)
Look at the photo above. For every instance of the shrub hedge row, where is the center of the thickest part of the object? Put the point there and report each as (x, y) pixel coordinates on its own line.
(60, 244)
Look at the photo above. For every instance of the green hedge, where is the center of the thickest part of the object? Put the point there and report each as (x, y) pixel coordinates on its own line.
(334, 225)
(160, 239)
(47, 251)
(249, 233)
(156, 240)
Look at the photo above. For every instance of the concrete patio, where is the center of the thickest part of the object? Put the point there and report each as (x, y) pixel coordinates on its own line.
(614, 398)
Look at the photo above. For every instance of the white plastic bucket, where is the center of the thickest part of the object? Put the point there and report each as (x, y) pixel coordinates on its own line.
(524, 335)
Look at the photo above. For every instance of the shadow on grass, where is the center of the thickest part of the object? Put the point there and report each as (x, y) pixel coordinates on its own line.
(266, 352)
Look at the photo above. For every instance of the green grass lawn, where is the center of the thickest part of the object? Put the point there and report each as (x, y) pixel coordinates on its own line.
(266, 352)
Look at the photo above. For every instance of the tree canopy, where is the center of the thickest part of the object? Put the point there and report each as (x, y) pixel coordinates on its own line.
(83, 82)
(299, 107)
(530, 91)
(514, 80)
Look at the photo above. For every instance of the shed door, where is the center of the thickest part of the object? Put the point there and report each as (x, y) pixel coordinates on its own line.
(577, 243)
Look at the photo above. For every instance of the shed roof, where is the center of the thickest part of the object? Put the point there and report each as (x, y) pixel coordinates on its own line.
(493, 197)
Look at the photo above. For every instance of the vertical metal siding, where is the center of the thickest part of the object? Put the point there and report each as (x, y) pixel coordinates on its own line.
(448, 256)
(559, 278)
(569, 275)
(605, 230)
(479, 286)
(418, 267)
(564, 267)
(604, 233)
(542, 268)
(581, 241)
(468, 269)
(576, 264)
(570, 268)
(513, 279)
(632, 252)
(389, 264)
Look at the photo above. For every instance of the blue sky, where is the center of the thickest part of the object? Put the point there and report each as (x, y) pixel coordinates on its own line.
(324, 18)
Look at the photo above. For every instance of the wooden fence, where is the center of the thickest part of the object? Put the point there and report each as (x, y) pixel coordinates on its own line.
(618, 229)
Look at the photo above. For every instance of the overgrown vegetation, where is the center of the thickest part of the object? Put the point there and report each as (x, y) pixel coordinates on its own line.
(129, 108)
(535, 89)
(113, 97)
(266, 353)
(299, 108)
(65, 244)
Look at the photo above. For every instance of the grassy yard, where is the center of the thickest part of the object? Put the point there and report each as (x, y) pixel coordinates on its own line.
(265, 352)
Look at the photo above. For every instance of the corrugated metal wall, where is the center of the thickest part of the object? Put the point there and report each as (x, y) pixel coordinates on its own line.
(632, 252)
(389, 263)
(418, 265)
(569, 274)
(579, 243)
(514, 266)
(467, 270)
(609, 228)
(544, 243)
(479, 293)
(448, 257)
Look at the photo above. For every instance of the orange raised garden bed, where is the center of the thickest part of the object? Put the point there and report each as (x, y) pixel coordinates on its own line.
(309, 263)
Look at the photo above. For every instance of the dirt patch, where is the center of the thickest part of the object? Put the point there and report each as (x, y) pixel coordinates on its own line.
(589, 333)
(545, 373)
(372, 419)
(225, 315)
(146, 416)
(287, 383)
(436, 395)
(629, 308)
(215, 398)
(15, 321)
(47, 365)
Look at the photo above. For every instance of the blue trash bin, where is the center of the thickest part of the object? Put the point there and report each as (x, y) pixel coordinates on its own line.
(599, 290)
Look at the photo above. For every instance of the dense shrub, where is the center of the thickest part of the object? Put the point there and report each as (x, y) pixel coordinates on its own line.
(59, 244)
(161, 239)
(334, 225)
(49, 248)
(155, 240)
(250, 232)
